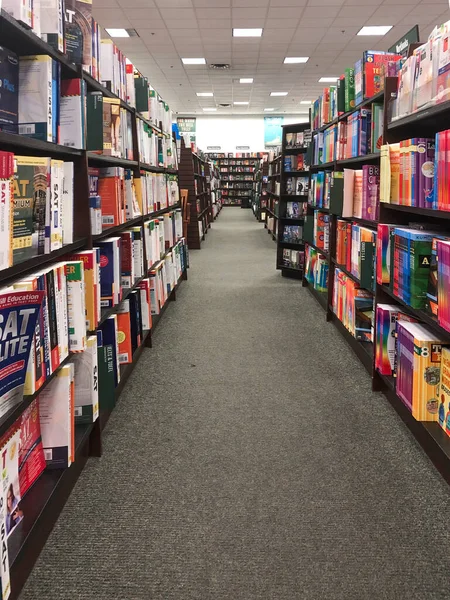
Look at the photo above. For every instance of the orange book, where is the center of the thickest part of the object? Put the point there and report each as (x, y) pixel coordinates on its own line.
(110, 192)
(124, 334)
(341, 240)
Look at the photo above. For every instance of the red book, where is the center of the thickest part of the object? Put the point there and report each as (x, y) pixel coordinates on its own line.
(126, 259)
(31, 453)
(348, 262)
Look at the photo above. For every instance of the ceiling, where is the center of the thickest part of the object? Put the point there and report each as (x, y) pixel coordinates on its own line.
(324, 30)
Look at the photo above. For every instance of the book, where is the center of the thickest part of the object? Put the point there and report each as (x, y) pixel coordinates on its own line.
(359, 92)
(386, 326)
(57, 419)
(349, 89)
(6, 208)
(124, 333)
(106, 375)
(418, 370)
(38, 97)
(52, 23)
(9, 100)
(54, 212)
(76, 305)
(86, 382)
(370, 192)
(94, 120)
(67, 203)
(20, 10)
(91, 267)
(146, 312)
(31, 452)
(109, 331)
(72, 113)
(111, 190)
(110, 278)
(78, 32)
(444, 391)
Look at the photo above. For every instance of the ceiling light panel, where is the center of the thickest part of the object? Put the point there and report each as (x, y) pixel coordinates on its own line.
(193, 61)
(292, 60)
(375, 30)
(279, 93)
(247, 32)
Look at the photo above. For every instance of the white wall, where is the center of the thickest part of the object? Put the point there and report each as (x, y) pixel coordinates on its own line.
(232, 131)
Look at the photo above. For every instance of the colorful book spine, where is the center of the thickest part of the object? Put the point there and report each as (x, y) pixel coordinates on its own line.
(370, 192)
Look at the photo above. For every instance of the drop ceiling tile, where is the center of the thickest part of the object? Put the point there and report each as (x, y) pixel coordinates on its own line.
(308, 24)
(279, 12)
(245, 13)
(289, 2)
(261, 4)
(211, 3)
(177, 13)
(152, 23)
(215, 24)
(214, 13)
(110, 17)
(430, 10)
(135, 3)
(172, 3)
(279, 24)
(106, 4)
(357, 11)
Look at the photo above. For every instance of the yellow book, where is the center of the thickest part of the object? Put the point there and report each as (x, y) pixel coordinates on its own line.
(444, 392)
(91, 286)
(394, 160)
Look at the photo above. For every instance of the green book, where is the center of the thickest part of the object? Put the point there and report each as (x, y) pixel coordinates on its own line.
(420, 260)
(106, 383)
(337, 193)
(349, 89)
(341, 95)
(308, 229)
(141, 93)
(94, 109)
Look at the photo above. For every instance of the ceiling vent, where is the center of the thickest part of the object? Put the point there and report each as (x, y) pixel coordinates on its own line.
(220, 66)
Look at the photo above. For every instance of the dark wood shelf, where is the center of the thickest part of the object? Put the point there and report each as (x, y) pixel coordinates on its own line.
(321, 208)
(294, 196)
(291, 245)
(151, 168)
(321, 297)
(270, 212)
(363, 350)
(111, 160)
(425, 212)
(296, 173)
(109, 231)
(27, 145)
(272, 194)
(295, 150)
(434, 118)
(30, 265)
(358, 159)
(327, 165)
(350, 274)
(365, 222)
(325, 253)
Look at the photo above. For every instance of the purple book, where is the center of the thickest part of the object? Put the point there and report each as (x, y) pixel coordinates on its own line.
(405, 367)
(370, 192)
(420, 158)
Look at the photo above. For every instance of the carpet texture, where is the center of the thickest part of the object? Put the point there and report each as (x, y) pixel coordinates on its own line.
(248, 459)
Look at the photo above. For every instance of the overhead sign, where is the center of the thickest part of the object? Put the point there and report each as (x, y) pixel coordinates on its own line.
(242, 147)
(273, 132)
(187, 124)
(402, 45)
(214, 147)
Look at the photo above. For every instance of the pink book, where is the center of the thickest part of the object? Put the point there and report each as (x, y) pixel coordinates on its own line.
(349, 186)
(357, 194)
(370, 192)
(405, 364)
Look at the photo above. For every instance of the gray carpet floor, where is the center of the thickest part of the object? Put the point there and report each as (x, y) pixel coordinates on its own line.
(248, 459)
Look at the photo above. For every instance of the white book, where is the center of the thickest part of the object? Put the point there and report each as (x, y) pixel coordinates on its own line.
(67, 204)
(138, 258)
(76, 305)
(36, 5)
(154, 299)
(20, 10)
(62, 323)
(35, 97)
(56, 409)
(144, 288)
(71, 116)
(56, 200)
(86, 383)
(6, 229)
(107, 61)
(52, 22)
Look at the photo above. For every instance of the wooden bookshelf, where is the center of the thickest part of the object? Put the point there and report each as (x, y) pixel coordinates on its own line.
(236, 180)
(44, 502)
(425, 123)
(194, 176)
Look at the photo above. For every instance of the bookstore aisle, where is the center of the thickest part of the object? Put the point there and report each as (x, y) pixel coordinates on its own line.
(247, 459)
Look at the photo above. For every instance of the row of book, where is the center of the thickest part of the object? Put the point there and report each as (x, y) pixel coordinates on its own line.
(295, 162)
(116, 196)
(320, 188)
(418, 359)
(316, 269)
(423, 80)
(293, 141)
(155, 149)
(353, 306)
(297, 186)
(293, 259)
(294, 210)
(356, 250)
(361, 192)
(292, 234)
(237, 178)
(358, 83)
(320, 229)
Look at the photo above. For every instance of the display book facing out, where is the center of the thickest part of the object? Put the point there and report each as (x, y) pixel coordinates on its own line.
(260, 196)
(88, 264)
(387, 262)
(236, 179)
(269, 214)
(293, 186)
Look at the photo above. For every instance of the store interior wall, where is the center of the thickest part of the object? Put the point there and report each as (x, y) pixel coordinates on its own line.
(232, 131)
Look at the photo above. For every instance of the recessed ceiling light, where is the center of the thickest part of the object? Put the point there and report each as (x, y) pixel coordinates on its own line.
(240, 103)
(268, 109)
(306, 102)
(246, 80)
(278, 93)
(328, 79)
(210, 109)
(295, 59)
(205, 94)
(117, 32)
(375, 30)
(193, 61)
(253, 32)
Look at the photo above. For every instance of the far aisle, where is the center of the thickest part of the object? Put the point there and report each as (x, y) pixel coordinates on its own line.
(248, 459)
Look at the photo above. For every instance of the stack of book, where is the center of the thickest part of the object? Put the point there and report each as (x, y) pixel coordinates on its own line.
(316, 269)
(353, 306)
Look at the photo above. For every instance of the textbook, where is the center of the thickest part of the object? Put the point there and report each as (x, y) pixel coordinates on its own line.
(111, 187)
(31, 452)
(370, 192)
(419, 370)
(57, 415)
(127, 264)
(444, 391)
(53, 216)
(349, 85)
(39, 84)
(91, 266)
(31, 203)
(109, 331)
(76, 305)
(9, 99)
(78, 32)
(110, 278)
(6, 208)
(86, 383)
(72, 113)
(52, 23)
(19, 9)
(19, 311)
(67, 203)
(94, 119)
(124, 333)
(386, 322)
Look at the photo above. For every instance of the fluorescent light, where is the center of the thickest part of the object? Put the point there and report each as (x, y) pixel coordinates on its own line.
(253, 32)
(375, 30)
(240, 103)
(209, 109)
(246, 80)
(295, 59)
(306, 102)
(278, 93)
(205, 94)
(193, 61)
(268, 109)
(328, 79)
(117, 32)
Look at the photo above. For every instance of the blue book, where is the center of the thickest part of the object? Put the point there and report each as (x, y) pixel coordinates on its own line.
(109, 272)
(109, 335)
(56, 92)
(135, 320)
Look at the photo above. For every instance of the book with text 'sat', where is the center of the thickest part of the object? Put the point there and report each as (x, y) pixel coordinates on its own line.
(19, 312)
